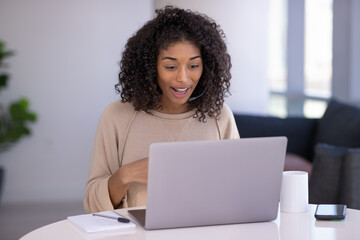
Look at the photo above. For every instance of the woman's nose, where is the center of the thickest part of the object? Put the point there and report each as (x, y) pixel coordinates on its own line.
(183, 75)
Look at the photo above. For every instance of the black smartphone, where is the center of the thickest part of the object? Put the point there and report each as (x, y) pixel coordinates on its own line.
(330, 211)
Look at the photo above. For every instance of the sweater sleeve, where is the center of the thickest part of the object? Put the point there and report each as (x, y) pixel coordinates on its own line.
(105, 159)
(227, 125)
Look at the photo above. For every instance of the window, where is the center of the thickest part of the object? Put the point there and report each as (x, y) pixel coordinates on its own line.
(318, 48)
(300, 57)
(277, 45)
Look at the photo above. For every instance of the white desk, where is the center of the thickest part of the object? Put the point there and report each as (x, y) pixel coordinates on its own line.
(287, 226)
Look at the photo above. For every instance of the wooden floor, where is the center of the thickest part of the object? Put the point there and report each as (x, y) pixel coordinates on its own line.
(18, 219)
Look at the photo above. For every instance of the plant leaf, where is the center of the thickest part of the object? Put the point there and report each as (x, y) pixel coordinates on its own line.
(3, 80)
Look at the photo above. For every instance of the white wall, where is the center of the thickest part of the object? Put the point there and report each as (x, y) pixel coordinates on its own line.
(66, 63)
(245, 24)
(355, 53)
(341, 49)
(346, 51)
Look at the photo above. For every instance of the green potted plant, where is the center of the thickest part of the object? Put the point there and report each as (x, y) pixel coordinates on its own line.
(15, 117)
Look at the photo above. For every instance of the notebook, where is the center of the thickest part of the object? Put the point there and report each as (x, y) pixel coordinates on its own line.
(89, 223)
(201, 183)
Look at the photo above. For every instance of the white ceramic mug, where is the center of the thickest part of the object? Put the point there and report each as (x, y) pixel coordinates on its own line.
(294, 192)
(295, 226)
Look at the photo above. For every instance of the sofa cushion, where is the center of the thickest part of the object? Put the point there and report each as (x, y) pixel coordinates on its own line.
(326, 174)
(340, 125)
(350, 184)
(335, 176)
(299, 131)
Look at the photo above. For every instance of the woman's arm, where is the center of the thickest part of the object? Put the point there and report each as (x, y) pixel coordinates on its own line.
(136, 172)
(105, 161)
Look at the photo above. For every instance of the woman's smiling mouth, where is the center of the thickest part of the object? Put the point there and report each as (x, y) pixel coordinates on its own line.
(180, 92)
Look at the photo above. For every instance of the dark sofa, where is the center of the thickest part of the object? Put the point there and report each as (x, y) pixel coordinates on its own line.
(300, 132)
(327, 148)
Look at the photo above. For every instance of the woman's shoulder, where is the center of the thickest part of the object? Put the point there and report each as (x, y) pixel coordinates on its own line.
(118, 111)
(226, 112)
(227, 124)
(119, 107)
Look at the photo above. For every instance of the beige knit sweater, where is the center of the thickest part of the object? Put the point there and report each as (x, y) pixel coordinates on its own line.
(124, 136)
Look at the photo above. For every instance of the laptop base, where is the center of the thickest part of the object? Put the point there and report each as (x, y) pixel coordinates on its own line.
(139, 215)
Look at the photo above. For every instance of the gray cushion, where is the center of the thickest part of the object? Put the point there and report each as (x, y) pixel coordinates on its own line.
(340, 125)
(335, 177)
(350, 181)
(326, 174)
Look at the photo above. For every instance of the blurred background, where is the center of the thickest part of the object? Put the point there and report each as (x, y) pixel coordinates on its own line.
(289, 57)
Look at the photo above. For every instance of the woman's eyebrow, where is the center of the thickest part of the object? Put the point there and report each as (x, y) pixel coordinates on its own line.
(195, 57)
(170, 58)
(174, 59)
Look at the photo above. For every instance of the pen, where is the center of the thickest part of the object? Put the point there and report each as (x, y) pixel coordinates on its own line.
(119, 219)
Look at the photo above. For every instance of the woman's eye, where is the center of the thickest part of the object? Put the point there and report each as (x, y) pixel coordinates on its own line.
(194, 66)
(170, 67)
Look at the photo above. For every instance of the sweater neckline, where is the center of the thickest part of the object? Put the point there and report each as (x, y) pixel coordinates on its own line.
(172, 116)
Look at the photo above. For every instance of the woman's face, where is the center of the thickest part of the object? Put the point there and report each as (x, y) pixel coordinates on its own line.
(179, 68)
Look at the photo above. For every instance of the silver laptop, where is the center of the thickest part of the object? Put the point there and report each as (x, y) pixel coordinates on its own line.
(202, 183)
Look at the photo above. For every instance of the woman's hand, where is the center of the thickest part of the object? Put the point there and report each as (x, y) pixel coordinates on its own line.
(136, 172)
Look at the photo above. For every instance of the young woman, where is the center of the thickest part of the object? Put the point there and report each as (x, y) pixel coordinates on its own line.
(174, 75)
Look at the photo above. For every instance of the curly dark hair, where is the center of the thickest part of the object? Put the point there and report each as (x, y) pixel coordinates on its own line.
(138, 73)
